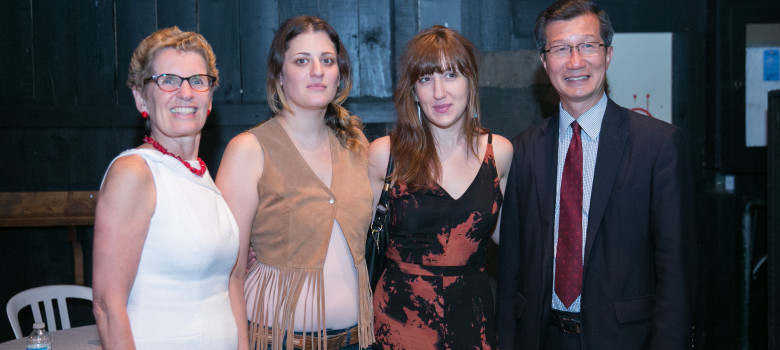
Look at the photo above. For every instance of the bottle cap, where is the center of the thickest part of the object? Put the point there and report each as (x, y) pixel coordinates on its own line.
(39, 325)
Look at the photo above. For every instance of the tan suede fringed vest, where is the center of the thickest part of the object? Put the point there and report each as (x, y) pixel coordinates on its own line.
(291, 231)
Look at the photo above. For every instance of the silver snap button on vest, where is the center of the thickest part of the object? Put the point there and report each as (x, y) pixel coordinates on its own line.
(332, 200)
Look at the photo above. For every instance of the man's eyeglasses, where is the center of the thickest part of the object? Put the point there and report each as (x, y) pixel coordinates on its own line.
(585, 49)
(172, 82)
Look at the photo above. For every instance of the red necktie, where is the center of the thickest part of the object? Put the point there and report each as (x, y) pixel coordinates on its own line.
(568, 259)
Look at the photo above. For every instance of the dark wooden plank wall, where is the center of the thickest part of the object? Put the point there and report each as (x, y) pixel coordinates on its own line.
(227, 45)
(257, 22)
(66, 66)
(133, 21)
(54, 57)
(65, 110)
(375, 44)
(67, 62)
(404, 24)
(182, 13)
(17, 51)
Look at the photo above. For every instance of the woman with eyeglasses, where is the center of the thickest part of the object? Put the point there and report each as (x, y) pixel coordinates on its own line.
(298, 186)
(165, 240)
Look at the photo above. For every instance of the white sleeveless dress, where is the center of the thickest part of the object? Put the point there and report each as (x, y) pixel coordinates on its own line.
(179, 299)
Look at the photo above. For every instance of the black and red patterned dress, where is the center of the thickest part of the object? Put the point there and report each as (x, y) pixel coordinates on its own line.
(435, 293)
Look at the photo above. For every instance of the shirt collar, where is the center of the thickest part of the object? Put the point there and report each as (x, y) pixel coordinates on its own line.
(590, 121)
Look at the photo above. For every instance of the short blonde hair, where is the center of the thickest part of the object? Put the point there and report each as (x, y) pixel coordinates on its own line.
(173, 37)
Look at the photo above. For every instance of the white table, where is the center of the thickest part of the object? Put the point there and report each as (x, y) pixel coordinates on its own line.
(79, 338)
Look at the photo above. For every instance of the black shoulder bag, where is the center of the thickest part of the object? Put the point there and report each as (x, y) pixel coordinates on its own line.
(376, 242)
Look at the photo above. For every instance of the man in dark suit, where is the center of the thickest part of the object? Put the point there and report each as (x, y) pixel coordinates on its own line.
(597, 243)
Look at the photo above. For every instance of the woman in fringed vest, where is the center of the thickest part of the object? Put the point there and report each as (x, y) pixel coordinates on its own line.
(298, 187)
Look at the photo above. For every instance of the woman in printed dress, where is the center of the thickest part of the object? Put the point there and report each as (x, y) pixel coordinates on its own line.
(445, 201)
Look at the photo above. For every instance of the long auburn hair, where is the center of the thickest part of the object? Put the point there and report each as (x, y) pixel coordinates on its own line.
(348, 128)
(433, 50)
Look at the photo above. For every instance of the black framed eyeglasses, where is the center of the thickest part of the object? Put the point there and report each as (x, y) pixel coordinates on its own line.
(172, 82)
(585, 49)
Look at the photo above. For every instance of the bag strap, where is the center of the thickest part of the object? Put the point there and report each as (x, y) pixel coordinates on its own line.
(388, 182)
(377, 224)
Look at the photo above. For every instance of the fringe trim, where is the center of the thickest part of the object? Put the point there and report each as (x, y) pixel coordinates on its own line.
(366, 317)
(285, 285)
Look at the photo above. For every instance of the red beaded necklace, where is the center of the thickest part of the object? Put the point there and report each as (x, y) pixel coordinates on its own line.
(162, 149)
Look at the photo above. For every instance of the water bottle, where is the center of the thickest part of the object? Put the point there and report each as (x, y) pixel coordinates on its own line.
(39, 339)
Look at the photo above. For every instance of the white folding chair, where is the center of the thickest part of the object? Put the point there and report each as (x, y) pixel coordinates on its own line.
(34, 296)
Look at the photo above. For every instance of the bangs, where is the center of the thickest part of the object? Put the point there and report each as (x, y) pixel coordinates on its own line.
(440, 58)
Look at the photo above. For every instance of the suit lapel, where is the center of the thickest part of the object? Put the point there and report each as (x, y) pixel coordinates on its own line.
(545, 170)
(612, 143)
